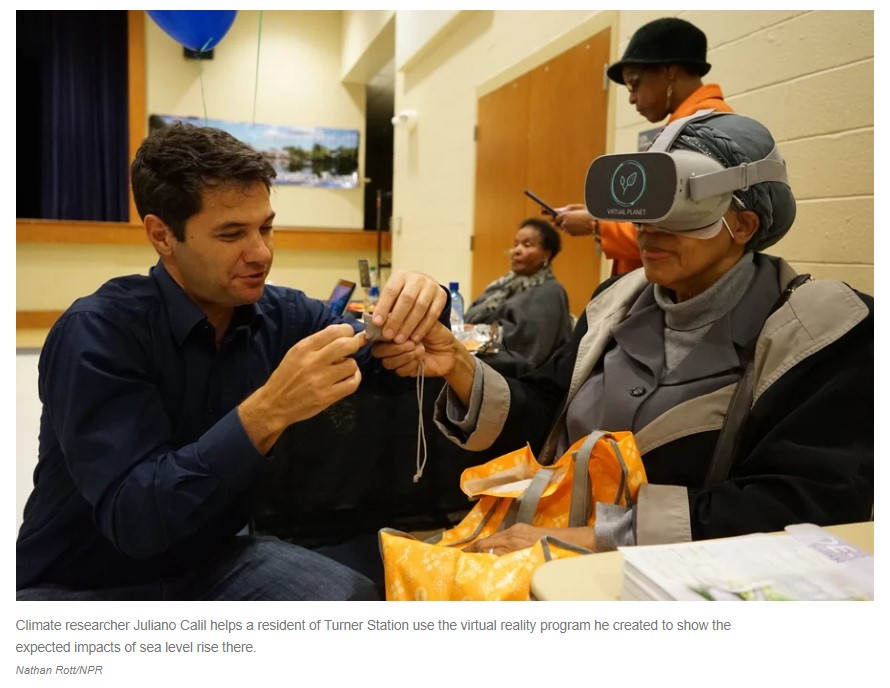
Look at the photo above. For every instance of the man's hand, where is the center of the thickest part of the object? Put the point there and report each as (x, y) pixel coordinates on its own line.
(410, 304)
(316, 372)
(575, 220)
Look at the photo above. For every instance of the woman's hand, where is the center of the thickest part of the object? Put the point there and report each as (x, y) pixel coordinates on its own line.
(575, 220)
(437, 351)
(442, 356)
(522, 535)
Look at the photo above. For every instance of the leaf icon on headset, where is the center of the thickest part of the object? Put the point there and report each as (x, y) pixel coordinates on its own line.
(630, 180)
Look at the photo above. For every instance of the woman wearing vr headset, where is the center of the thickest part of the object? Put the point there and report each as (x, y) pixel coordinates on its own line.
(662, 69)
(661, 351)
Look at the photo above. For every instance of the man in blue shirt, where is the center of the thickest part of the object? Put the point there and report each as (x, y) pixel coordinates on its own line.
(163, 395)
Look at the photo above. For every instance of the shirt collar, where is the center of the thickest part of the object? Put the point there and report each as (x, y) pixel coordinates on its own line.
(641, 333)
(184, 315)
(718, 351)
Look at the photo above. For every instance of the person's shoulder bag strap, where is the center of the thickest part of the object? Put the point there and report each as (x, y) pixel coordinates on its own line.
(740, 404)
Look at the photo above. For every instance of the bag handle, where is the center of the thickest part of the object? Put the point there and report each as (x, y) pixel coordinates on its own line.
(740, 403)
(472, 536)
(549, 540)
(523, 509)
(581, 505)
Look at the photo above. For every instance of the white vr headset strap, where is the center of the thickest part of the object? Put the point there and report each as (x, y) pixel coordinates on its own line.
(666, 137)
(769, 169)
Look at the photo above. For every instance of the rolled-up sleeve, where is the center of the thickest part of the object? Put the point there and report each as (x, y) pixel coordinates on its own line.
(662, 515)
(477, 426)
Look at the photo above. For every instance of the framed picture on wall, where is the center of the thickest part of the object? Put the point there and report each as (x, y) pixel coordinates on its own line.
(302, 156)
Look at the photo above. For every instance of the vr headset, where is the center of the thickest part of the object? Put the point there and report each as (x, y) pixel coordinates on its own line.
(679, 191)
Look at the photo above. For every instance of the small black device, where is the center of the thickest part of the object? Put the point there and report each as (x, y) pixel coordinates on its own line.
(547, 208)
(340, 296)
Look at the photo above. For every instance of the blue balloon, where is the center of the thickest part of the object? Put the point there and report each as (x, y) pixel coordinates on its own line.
(197, 30)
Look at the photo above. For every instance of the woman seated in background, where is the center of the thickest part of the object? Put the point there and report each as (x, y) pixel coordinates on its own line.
(661, 351)
(528, 305)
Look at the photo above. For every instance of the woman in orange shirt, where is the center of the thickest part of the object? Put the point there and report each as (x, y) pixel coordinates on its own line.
(662, 69)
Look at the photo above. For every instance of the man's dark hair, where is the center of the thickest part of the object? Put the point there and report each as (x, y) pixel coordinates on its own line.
(550, 239)
(176, 164)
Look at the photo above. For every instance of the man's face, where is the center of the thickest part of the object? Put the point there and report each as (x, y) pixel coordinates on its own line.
(227, 252)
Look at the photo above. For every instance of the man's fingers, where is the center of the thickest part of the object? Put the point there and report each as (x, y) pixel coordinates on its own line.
(411, 325)
(411, 305)
(342, 370)
(320, 339)
(404, 316)
(388, 297)
(341, 347)
(347, 385)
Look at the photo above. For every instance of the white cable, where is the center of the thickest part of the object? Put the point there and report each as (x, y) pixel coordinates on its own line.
(421, 433)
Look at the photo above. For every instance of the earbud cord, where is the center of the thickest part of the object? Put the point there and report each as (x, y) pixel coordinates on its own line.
(421, 433)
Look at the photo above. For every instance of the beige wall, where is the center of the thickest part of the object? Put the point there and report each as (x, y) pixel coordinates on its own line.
(49, 277)
(809, 76)
(435, 163)
(364, 46)
(299, 85)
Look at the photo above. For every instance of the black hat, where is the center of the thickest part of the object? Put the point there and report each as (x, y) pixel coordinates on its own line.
(664, 41)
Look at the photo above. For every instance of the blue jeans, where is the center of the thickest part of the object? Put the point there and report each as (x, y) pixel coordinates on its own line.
(249, 568)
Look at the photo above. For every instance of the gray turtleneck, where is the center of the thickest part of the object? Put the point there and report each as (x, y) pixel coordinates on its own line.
(687, 322)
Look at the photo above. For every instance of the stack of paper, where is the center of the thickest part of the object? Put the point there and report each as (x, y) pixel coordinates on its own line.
(804, 563)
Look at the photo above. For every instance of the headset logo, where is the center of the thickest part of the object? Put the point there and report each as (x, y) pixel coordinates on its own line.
(628, 183)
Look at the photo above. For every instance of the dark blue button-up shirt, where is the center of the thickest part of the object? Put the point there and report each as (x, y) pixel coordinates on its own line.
(144, 466)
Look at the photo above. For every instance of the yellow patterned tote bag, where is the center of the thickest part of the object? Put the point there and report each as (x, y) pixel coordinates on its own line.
(514, 488)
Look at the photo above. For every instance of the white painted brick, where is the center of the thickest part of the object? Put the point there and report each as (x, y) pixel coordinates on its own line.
(828, 166)
(807, 44)
(822, 103)
(839, 230)
(632, 20)
(727, 26)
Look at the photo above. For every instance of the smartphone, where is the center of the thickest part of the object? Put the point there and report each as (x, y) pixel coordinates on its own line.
(547, 208)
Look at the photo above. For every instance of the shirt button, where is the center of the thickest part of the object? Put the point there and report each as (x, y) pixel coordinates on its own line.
(637, 391)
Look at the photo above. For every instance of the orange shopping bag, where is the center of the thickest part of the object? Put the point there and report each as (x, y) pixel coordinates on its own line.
(514, 488)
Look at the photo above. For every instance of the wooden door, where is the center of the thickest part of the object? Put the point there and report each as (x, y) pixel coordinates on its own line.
(540, 132)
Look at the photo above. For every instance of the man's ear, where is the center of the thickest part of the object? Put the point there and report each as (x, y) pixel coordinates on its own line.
(748, 224)
(159, 234)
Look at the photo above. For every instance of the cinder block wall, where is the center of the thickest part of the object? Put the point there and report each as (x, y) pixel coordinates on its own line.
(809, 77)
